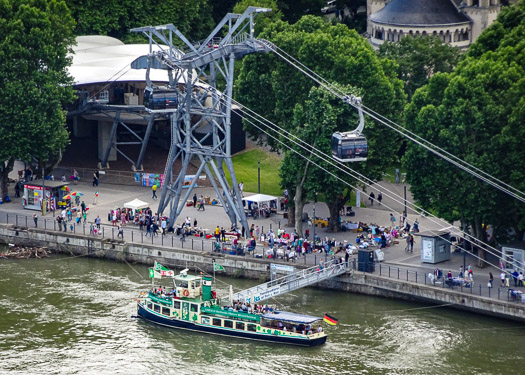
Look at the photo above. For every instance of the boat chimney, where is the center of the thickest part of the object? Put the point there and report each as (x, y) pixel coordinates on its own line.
(206, 288)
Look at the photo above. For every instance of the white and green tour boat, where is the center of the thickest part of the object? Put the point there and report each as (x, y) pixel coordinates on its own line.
(192, 305)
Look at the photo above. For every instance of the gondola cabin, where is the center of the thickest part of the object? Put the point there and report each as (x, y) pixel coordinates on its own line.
(160, 99)
(349, 147)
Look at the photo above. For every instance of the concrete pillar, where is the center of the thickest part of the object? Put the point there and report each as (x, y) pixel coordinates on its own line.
(104, 132)
(81, 127)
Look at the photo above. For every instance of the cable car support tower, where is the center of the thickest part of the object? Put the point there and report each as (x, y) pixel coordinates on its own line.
(199, 104)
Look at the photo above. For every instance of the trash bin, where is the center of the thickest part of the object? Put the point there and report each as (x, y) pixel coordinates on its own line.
(365, 260)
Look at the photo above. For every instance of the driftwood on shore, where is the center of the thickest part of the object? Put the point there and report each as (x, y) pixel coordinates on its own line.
(23, 252)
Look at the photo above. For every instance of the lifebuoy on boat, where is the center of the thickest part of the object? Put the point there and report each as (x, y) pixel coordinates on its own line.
(185, 292)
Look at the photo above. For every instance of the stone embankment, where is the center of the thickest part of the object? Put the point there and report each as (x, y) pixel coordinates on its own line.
(259, 269)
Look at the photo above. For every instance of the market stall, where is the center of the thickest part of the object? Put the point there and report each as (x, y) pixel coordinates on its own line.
(262, 203)
(50, 192)
(136, 204)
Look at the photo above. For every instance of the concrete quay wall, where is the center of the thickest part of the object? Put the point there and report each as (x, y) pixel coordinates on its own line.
(246, 267)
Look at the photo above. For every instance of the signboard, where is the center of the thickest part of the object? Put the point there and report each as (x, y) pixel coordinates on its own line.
(281, 268)
(264, 295)
(150, 179)
(427, 249)
(230, 314)
(188, 180)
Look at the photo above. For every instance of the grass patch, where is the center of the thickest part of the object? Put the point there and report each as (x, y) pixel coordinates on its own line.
(245, 166)
(390, 173)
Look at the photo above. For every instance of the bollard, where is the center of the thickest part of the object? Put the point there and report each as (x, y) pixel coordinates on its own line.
(16, 219)
(152, 237)
(171, 241)
(315, 259)
(74, 227)
(279, 224)
(416, 276)
(182, 242)
(54, 225)
(162, 240)
(388, 271)
(26, 223)
(262, 228)
(305, 259)
(498, 292)
(270, 226)
(192, 243)
(202, 245)
(380, 269)
(141, 237)
(102, 232)
(407, 275)
(398, 273)
(112, 233)
(489, 291)
(7, 214)
(131, 236)
(84, 228)
(480, 289)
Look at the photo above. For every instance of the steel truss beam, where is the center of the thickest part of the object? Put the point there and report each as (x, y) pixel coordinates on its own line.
(193, 62)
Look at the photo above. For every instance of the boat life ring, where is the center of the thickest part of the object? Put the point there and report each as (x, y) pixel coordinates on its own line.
(185, 292)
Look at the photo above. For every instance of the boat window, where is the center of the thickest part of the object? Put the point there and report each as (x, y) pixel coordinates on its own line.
(252, 328)
(197, 283)
(228, 324)
(166, 311)
(217, 322)
(192, 285)
(150, 305)
(194, 308)
(176, 305)
(239, 326)
(182, 283)
(156, 308)
(205, 320)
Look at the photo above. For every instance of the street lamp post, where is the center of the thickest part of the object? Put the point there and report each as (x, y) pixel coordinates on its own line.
(259, 177)
(315, 201)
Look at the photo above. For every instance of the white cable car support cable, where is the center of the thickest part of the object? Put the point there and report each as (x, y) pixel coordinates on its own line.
(517, 194)
(467, 237)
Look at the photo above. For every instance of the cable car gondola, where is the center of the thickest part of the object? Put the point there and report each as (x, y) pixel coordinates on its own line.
(160, 98)
(350, 146)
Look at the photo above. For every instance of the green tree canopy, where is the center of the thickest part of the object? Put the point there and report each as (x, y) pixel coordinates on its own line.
(276, 90)
(116, 17)
(36, 37)
(477, 114)
(419, 58)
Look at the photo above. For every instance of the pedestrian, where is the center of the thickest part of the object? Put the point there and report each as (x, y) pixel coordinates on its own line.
(371, 197)
(83, 206)
(502, 278)
(95, 179)
(163, 225)
(520, 279)
(154, 191)
(35, 219)
(491, 280)
(17, 190)
(217, 234)
(97, 222)
(379, 198)
(306, 233)
(415, 227)
(201, 204)
(407, 247)
(75, 177)
(392, 220)
(120, 232)
(460, 272)
(252, 228)
(84, 216)
(241, 187)
(91, 229)
(95, 197)
(194, 200)
(223, 234)
(195, 223)
(77, 200)
(515, 276)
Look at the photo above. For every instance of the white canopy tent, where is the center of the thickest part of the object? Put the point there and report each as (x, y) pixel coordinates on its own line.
(261, 198)
(136, 204)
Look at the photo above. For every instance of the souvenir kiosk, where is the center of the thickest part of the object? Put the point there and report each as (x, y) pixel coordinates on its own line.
(34, 192)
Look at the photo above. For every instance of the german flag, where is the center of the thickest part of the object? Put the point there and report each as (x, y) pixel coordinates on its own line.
(330, 320)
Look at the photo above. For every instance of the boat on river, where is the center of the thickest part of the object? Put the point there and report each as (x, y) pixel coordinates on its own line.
(192, 305)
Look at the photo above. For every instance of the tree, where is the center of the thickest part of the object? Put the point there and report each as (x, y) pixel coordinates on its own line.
(419, 58)
(262, 19)
(477, 114)
(37, 37)
(116, 17)
(293, 10)
(280, 92)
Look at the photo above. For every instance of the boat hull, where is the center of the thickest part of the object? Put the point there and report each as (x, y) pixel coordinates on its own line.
(182, 324)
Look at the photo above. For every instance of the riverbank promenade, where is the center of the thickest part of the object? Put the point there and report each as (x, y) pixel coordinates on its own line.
(397, 265)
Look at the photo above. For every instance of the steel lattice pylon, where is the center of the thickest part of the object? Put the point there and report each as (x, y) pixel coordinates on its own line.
(201, 104)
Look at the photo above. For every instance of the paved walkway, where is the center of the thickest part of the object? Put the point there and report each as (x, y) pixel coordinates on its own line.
(397, 263)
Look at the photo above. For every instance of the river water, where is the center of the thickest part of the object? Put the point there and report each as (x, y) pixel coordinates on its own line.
(64, 315)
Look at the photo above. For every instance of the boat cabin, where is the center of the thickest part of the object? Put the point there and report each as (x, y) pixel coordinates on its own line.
(189, 286)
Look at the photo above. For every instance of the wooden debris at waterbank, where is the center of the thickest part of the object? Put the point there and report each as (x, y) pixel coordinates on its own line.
(22, 252)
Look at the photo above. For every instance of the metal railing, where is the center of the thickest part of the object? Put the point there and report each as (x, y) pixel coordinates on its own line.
(473, 286)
